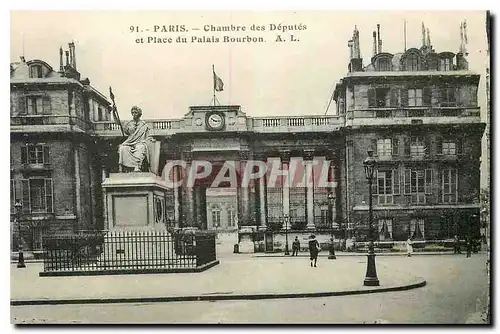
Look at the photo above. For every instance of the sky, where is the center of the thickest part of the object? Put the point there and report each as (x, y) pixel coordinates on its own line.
(270, 78)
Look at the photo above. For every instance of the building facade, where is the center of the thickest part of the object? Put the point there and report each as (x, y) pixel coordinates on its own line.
(54, 164)
(418, 111)
(411, 108)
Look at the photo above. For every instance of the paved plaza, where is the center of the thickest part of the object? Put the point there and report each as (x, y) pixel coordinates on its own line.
(240, 276)
(456, 292)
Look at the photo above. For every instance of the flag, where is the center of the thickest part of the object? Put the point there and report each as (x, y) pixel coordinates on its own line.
(218, 84)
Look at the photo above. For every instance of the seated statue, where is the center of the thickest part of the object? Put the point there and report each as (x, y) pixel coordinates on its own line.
(135, 152)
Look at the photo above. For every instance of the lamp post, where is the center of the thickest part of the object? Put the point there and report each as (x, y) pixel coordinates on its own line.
(17, 208)
(331, 203)
(371, 278)
(287, 252)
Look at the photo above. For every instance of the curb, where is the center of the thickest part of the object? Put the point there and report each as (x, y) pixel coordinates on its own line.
(214, 297)
(364, 254)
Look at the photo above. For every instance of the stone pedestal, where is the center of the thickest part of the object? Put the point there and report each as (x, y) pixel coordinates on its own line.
(134, 202)
(135, 218)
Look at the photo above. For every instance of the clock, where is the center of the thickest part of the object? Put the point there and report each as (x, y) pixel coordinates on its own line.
(215, 121)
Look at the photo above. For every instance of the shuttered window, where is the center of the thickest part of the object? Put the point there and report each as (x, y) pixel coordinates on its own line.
(37, 195)
(38, 105)
(35, 154)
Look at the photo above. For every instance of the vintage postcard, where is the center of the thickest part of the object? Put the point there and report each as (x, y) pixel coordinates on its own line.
(250, 167)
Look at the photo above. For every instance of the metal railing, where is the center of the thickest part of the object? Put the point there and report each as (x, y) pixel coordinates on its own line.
(115, 251)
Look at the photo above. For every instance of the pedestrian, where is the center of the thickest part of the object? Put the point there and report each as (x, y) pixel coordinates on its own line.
(295, 247)
(469, 246)
(313, 249)
(456, 245)
(409, 247)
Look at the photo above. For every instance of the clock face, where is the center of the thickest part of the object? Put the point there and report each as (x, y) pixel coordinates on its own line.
(215, 121)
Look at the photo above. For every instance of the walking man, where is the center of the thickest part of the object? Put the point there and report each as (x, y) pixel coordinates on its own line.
(295, 247)
(313, 249)
(469, 246)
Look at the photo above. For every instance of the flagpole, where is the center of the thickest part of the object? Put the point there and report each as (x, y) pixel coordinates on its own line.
(213, 81)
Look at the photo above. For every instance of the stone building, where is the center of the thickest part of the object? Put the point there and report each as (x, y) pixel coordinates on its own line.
(411, 108)
(54, 166)
(418, 111)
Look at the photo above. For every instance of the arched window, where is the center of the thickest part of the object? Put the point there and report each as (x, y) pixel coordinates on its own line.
(446, 64)
(384, 64)
(36, 71)
(412, 62)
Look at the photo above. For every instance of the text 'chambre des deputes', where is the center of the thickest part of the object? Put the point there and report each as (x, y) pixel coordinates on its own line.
(210, 33)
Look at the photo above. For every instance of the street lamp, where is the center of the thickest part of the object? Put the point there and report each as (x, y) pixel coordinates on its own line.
(371, 278)
(287, 252)
(331, 202)
(17, 208)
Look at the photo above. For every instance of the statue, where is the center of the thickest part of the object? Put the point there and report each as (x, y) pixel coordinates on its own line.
(135, 152)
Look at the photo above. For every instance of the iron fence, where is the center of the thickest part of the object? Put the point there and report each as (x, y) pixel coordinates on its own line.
(115, 251)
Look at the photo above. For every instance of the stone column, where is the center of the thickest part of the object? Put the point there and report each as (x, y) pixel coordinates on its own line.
(308, 162)
(333, 176)
(262, 195)
(336, 192)
(188, 204)
(176, 175)
(285, 160)
(243, 193)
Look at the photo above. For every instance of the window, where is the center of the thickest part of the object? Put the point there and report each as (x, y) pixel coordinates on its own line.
(38, 105)
(449, 146)
(384, 64)
(384, 229)
(449, 185)
(384, 147)
(35, 154)
(412, 63)
(230, 218)
(395, 146)
(449, 97)
(37, 195)
(417, 229)
(415, 97)
(36, 71)
(384, 187)
(445, 64)
(418, 183)
(383, 97)
(417, 147)
(216, 217)
(324, 218)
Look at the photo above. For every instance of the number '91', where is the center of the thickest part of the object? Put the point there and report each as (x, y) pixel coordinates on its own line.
(134, 29)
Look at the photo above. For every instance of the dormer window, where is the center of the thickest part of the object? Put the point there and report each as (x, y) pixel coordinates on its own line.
(412, 63)
(384, 64)
(445, 64)
(36, 71)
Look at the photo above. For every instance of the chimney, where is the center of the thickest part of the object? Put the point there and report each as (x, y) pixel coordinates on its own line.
(355, 39)
(374, 43)
(462, 63)
(351, 51)
(67, 58)
(429, 45)
(379, 39)
(423, 34)
(61, 65)
(356, 63)
(72, 53)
